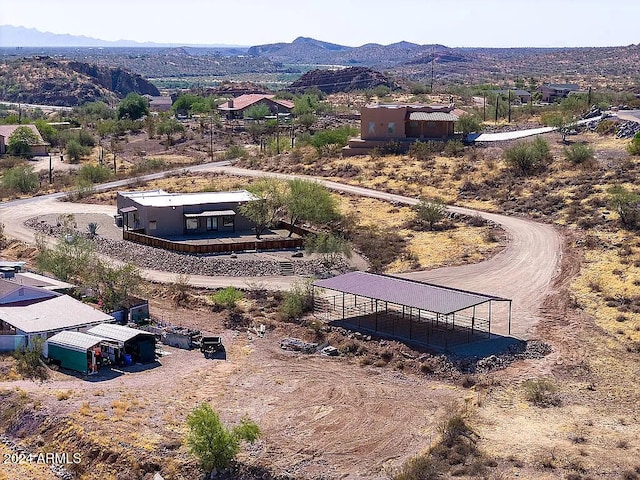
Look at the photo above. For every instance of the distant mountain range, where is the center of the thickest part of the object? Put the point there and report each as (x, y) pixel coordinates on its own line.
(12, 36)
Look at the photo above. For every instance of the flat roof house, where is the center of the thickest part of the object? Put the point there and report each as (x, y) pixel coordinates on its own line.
(161, 214)
(39, 148)
(236, 107)
(384, 123)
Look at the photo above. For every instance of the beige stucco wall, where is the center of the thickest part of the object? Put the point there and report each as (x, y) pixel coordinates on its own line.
(374, 122)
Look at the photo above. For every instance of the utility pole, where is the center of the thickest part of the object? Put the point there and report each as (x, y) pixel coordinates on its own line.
(211, 134)
(497, 100)
(433, 59)
(277, 131)
(509, 105)
(50, 170)
(484, 106)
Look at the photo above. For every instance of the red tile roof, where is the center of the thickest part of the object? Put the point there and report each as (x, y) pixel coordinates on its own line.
(244, 101)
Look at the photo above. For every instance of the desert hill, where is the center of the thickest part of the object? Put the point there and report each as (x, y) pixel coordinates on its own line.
(43, 80)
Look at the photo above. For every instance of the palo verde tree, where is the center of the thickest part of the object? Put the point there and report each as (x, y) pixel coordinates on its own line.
(70, 259)
(331, 247)
(20, 142)
(133, 107)
(268, 206)
(169, 127)
(468, 124)
(113, 285)
(430, 211)
(626, 204)
(308, 201)
(216, 445)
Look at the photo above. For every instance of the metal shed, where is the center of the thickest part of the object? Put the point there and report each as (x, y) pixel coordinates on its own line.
(408, 310)
(139, 344)
(75, 351)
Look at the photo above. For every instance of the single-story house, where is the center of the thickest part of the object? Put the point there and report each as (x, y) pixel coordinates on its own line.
(75, 350)
(554, 91)
(35, 280)
(27, 312)
(236, 107)
(161, 214)
(402, 123)
(129, 343)
(160, 103)
(39, 148)
(522, 95)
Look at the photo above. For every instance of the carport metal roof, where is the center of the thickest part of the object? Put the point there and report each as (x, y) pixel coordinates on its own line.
(120, 333)
(410, 293)
(211, 213)
(77, 341)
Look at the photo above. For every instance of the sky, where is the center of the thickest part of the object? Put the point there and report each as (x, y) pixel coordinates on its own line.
(454, 23)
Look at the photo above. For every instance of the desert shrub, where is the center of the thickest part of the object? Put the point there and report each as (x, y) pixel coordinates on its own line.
(606, 127)
(627, 206)
(94, 173)
(179, 290)
(381, 247)
(148, 165)
(298, 300)
(20, 179)
(425, 150)
(28, 359)
(338, 137)
(213, 443)
(75, 151)
(235, 151)
(527, 157)
(393, 147)
(634, 147)
(541, 392)
(579, 153)
(227, 297)
(453, 148)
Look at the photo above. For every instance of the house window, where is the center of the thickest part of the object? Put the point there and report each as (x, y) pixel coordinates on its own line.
(153, 225)
(372, 127)
(192, 224)
(391, 128)
(212, 223)
(227, 221)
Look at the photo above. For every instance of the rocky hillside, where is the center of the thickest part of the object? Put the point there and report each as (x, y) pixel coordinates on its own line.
(48, 81)
(343, 80)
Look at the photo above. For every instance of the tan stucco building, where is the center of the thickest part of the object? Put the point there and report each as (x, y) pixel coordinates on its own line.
(39, 148)
(384, 123)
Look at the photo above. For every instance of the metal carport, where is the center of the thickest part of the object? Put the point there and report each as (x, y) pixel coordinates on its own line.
(408, 310)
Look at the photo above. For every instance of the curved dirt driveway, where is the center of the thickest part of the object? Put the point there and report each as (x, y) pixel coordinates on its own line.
(523, 271)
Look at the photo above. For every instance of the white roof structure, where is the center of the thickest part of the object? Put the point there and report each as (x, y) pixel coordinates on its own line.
(77, 341)
(57, 313)
(160, 198)
(36, 280)
(120, 333)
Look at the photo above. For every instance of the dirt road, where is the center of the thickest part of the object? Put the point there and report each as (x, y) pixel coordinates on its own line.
(523, 271)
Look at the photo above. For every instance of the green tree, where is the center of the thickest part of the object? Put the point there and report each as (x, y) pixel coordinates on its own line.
(297, 300)
(94, 111)
(70, 259)
(113, 285)
(106, 128)
(264, 211)
(430, 211)
(308, 201)
(183, 104)
(133, 107)
(213, 443)
(468, 124)
(307, 120)
(47, 131)
(29, 359)
(75, 151)
(20, 142)
(169, 127)
(20, 179)
(257, 111)
(331, 138)
(331, 247)
(627, 206)
(559, 120)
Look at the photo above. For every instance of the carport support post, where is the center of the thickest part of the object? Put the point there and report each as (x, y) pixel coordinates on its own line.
(509, 317)
(376, 316)
(489, 318)
(342, 306)
(473, 319)
(50, 171)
